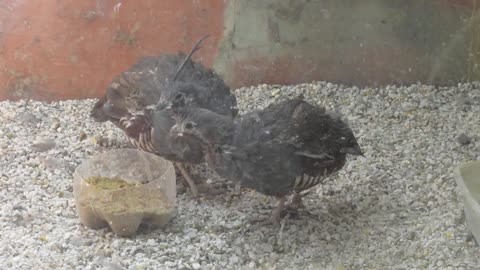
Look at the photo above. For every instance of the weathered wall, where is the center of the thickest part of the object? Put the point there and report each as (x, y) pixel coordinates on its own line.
(57, 49)
(355, 42)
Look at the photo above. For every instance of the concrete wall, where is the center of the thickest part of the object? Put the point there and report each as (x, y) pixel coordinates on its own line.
(364, 42)
(57, 49)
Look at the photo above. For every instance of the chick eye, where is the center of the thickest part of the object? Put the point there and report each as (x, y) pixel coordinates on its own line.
(179, 96)
(188, 125)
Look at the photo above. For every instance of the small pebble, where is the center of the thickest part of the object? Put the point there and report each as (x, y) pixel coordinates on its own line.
(463, 139)
(82, 136)
(44, 145)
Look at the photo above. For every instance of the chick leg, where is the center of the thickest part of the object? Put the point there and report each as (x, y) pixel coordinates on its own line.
(237, 190)
(296, 204)
(276, 216)
(276, 213)
(187, 178)
(235, 194)
(297, 200)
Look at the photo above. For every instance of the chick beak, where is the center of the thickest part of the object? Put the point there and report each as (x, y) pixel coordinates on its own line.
(176, 131)
(162, 104)
(107, 106)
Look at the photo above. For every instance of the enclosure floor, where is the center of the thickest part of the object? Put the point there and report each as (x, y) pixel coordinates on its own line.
(397, 208)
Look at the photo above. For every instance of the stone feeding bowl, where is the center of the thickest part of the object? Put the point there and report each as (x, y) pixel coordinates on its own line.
(467, 176)
(124, 188)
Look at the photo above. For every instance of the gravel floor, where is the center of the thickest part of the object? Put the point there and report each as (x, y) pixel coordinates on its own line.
(395, 209)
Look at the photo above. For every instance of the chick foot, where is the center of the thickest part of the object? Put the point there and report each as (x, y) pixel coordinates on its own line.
(188, 179)
(275, 217)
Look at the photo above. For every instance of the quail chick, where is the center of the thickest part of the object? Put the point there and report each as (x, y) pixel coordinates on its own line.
(131, 96)
(286, 148)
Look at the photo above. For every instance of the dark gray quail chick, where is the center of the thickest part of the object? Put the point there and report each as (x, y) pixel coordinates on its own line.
(132, 92)
(286, 148)
(203, 90)
(188, 95)
(144, 83)
(209, 92)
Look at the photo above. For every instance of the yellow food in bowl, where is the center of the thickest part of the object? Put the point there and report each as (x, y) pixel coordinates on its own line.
(106, 183)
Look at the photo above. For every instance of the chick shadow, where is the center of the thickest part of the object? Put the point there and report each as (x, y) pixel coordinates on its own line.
(319, 214)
